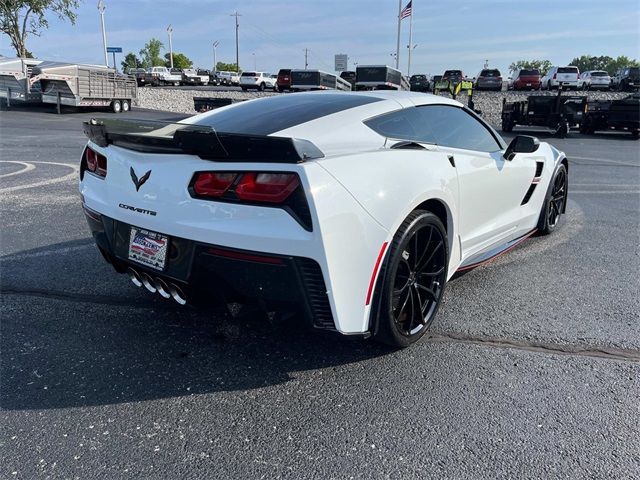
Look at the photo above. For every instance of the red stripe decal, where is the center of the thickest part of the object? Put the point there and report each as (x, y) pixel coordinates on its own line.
(375, 271)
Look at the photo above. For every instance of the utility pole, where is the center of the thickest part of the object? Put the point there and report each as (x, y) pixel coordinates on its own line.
(236, 14)
(170, 31)
(306, 52)
(215, 62)
(398, 42)
(101, 8)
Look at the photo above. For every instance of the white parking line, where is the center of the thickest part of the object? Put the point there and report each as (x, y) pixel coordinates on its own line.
(27, 168)
(51, 181)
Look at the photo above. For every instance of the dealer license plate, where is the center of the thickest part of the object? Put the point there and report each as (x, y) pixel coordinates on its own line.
(528, 84)
(148, 248)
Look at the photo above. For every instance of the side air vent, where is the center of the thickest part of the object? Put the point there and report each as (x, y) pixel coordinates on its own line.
(407, 146)
(539, 167)
(527, 196)
(317, 293)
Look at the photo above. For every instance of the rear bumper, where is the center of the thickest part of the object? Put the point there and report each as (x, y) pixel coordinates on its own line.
(221, 274)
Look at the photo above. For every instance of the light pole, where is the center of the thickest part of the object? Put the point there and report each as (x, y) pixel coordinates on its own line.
(170, 31)
(254, 61)
(101, 8)
(410, 48)
(236, 14)
(215, 63)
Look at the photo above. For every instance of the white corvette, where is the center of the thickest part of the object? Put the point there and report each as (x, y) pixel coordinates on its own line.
(356, 208)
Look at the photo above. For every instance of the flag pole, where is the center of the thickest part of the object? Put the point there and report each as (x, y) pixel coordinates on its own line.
(398, 42)
(410, 41)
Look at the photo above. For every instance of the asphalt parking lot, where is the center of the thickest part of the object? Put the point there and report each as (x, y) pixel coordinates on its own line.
(532, 369)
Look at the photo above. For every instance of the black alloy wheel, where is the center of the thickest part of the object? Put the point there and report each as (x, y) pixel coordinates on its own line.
(413, 279)
(555, 202)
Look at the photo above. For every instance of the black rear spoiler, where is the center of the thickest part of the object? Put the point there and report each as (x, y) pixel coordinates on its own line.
(164, 137)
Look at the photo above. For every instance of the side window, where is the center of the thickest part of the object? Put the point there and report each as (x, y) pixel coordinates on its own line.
(443, 125)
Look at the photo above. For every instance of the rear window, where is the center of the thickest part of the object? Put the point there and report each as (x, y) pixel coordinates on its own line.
(452, 73)
(490, 73)
(284, 71)
(568, 70)
(634, 71)
(529, 72)
(249, 74)
(269, 115)
(599, 74)
(418, 77)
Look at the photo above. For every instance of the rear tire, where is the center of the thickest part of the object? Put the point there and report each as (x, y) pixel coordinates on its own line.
(126, 106)
(555, 201)
(116, 106)
(411, 281)
(261, 87)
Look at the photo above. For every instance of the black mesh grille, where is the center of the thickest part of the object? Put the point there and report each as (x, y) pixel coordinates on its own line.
(316, 293)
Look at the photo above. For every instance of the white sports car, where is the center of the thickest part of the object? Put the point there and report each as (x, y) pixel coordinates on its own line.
(356, 208)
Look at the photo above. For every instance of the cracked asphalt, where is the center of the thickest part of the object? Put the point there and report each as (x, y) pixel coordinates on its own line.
(532, 369)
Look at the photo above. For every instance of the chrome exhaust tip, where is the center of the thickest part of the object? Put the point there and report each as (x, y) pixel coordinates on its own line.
(134, 277)
(162, 287)
(177, 294)
(147, 281)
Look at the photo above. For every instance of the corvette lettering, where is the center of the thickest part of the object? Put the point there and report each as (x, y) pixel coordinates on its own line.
(138, 210)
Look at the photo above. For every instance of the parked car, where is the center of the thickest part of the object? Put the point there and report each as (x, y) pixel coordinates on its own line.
(164, 76)
(284, 79)
(419, 83)
(489, 79)
(594, 79)
(258, 80)
(526, 79)
(350, 76)
(626, 79)
(228, 78)
(191, 76)
(453, 76)
(565, 77)
(142, 77)
(621, 115)
(289, 178)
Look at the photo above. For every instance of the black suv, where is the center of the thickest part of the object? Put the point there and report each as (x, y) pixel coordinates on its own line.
(627, 78)
(419, 83)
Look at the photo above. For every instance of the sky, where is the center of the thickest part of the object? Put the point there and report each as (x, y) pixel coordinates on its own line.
(273, 34)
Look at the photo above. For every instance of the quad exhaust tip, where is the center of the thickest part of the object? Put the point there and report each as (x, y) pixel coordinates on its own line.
(157, 285)
(134, 277)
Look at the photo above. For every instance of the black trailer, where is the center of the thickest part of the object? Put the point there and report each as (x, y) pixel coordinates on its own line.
(558, 113)
(317, 80)
(204, 104)
(380, 77)
(622, 115)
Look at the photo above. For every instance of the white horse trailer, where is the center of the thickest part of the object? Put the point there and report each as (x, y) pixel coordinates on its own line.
(14, 80)
(85, 86)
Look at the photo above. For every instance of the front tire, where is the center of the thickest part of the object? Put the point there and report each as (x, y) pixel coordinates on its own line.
(555, 202)
(412, 280)
(116, 106)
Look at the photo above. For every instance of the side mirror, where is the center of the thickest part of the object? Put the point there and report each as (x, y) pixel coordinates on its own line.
(521, 144)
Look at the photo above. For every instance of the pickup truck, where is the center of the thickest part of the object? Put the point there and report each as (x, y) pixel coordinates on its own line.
(191, 76)
(229, 78)
(163, 76)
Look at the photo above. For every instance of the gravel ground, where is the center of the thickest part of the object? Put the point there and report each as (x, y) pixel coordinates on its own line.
(489, 103)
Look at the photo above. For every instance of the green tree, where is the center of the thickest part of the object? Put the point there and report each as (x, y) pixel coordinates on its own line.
(131, 61)
(180, 60)
(226, 67)
(587, 62)
(621, 62)
(21, 18)
(541, 65)
(150, 54)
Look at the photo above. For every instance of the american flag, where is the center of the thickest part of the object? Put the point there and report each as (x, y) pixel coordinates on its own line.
(406, 11)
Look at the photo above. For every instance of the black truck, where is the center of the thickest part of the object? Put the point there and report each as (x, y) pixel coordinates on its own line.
(559, 112)
(621, 115)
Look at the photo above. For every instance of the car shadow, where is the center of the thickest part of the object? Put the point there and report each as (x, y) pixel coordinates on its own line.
(76, 334)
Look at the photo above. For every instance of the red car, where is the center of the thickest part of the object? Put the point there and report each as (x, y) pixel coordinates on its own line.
(527, 80)
(284, 79)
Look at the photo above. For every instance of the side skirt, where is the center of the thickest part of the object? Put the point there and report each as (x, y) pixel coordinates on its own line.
(485, 257)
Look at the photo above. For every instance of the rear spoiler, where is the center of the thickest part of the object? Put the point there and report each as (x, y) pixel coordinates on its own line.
(179, 138)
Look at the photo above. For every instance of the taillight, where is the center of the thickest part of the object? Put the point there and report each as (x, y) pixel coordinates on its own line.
(95, 162)
(266, 187)
(213, 184)
(269, 189)
(499, 78)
